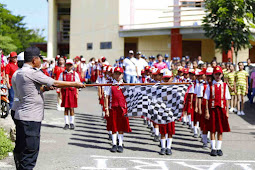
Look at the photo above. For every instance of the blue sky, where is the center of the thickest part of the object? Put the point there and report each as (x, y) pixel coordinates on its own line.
(35, 12)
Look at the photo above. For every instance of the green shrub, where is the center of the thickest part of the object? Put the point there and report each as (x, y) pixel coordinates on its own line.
(6, 145)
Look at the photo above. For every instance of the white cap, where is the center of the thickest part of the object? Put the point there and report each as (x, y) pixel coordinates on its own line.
(162, 71)
(83, 59)
(69, 61)
(131, 52)
(167, 73)
(20, 56)
(197, 71)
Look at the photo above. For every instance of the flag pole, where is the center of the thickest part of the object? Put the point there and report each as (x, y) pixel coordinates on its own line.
(134, 84)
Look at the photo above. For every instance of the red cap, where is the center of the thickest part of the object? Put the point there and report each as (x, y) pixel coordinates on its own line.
(202, 72)
(103, 59)
(217, 69)
(186, 71)
(13, 54)
(147, 68)
(77, 57)
(209, 71)
(180, 69)
(191, 71)
(143, 71)
(118, 69)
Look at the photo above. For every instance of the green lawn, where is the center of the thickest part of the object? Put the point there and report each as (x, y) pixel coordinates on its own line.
(6, 145)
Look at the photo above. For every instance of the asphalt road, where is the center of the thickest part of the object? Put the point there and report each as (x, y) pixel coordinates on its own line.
(87, 146)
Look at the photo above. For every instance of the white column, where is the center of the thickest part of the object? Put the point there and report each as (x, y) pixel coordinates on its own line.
(52, 29)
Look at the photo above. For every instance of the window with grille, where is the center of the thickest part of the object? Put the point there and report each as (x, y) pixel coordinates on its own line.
(106, 45)
(65, 29)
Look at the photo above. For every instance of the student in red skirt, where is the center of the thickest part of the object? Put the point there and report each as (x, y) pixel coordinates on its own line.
(69, 94)
(189, 103)
(217, 96)
(200, 80)
(167, 130)
(118, 106)
(59, 68)
(202, 106)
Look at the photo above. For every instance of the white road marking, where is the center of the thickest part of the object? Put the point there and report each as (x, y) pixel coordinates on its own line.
(201, 167)
(159, 164)
(245, 166)
(191, 160)
(5, 165)
(101, 164)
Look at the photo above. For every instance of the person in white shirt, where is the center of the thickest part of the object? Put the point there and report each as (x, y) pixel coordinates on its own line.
(130, 68)
(199, 60)
(217, 96)
(140, 64)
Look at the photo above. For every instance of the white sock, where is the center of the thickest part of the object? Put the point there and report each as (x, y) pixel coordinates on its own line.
(120, 137)
(110, 132)
(169, 143)
(114, 139)
(195, 130)
(184, 119)
(152, 124)
(156, 131)
(144, 118)
(166, 136)
(197, 124)
(213, 144)
(149, 122)
(204, 137)
(219, 142)
(163, 143)
(71, 119)
(192, 124)
(66, 119)
(208, 135)
(153, 129)
(189, 117)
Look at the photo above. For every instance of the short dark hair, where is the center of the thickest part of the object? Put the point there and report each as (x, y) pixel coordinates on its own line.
(30, 53)
(159, 55)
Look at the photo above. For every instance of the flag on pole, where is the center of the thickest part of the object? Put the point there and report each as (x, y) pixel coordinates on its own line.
(160, 104)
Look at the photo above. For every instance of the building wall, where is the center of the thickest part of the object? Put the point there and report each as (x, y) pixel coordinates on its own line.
(94, 22)
(153, 45)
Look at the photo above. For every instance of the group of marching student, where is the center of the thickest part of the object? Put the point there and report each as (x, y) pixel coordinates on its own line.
(205, 109)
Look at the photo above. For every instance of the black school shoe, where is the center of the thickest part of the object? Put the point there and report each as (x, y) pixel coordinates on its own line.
(219, 153)
(72, 126)
(66, 127)
(213, 152)
(114, 148)
(168, 151)
(162, 151)
(120, 149)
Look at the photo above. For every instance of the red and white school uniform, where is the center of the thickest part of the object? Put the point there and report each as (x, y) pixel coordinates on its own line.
(188, 102)
(167, 129)
(217, 94)
(57, 71)
(118, 106)
(69, 94)
(200, 94)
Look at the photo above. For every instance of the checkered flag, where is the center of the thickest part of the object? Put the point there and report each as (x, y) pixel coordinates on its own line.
(161, 104)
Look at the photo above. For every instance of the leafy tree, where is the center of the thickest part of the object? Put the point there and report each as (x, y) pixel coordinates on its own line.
(14, 33)
(229, 22)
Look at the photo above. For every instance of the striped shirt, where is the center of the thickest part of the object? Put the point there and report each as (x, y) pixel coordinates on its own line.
(241, 78)
(231, 77)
